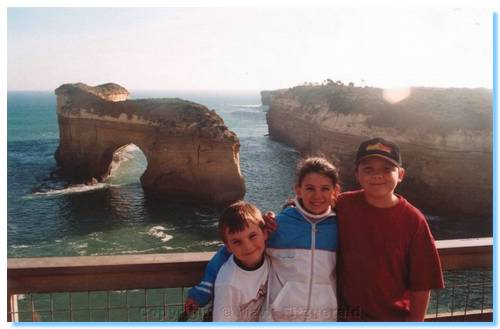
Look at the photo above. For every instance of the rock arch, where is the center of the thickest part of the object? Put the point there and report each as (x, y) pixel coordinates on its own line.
(191, 154)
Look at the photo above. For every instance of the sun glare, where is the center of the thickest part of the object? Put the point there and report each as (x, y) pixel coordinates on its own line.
(396, 95)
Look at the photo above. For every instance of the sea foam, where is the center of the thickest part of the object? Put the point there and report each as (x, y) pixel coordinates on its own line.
(160, 233)
(78, 188)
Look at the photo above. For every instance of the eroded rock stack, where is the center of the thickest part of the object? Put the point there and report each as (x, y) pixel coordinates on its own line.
(191, 154)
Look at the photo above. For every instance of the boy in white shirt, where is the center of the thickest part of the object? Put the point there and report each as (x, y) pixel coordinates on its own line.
(241, 284)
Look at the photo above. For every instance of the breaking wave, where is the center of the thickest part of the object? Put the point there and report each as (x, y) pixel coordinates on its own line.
(77, 188)
(122, 155)
(159, 232)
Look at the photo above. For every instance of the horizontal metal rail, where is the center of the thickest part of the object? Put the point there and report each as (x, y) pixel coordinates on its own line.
(98, 273)
(462, 254)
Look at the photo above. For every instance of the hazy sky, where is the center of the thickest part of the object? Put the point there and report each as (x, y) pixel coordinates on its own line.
(248, 48)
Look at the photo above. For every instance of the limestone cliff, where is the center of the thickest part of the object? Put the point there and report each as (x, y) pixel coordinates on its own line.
(445, 137)
(191, 154)
(266, 96)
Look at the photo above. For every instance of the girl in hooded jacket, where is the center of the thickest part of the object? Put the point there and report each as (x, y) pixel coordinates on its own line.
(302, 252)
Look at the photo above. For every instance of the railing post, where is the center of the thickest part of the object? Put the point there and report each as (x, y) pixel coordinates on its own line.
(12, 308)
(9, 311)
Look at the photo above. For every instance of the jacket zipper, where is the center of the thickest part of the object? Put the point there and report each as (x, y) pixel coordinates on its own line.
(311, 271)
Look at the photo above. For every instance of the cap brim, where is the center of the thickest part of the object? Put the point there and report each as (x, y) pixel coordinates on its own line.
(394, 162)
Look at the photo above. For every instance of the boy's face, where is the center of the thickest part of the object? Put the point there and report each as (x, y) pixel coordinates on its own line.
(248, 245)
(378, 177)
(317, 192)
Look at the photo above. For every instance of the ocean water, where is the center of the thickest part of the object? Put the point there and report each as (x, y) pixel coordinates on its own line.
(46, 218)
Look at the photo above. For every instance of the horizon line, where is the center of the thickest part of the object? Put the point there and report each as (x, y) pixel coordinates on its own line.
(262, 89)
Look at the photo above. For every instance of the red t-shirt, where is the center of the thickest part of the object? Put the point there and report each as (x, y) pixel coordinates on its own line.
(384, 253)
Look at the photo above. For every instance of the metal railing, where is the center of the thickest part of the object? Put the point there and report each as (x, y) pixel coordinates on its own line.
(468, 295)
(152, 287)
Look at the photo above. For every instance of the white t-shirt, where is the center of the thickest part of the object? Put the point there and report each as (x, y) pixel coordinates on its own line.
(239, 294)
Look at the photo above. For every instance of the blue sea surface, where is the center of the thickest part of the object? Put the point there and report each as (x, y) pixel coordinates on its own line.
(46, 218)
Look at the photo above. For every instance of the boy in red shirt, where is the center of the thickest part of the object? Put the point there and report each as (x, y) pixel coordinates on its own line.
(388, 262)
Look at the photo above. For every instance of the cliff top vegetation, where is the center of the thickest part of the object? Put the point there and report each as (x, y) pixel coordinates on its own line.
(440, 110)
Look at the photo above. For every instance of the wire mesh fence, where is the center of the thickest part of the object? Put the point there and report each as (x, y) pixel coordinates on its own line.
(466, 292)
(137, 305)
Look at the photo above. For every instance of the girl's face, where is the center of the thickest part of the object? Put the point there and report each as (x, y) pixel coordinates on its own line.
(317, 192)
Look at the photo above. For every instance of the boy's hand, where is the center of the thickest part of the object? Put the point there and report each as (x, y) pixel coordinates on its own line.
(191, 306)
(270, 219)
(419, 301)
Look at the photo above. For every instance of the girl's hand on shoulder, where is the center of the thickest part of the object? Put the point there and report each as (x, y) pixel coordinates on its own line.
(270, 220)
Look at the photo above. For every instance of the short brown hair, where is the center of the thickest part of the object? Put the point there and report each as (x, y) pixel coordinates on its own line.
(318, 165)
(238, 216)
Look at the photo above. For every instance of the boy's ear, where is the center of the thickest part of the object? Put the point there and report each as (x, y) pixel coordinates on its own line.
(225, 242)
(227, 247)
(401, 174)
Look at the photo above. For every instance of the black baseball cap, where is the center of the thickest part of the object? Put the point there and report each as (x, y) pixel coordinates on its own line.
(379, 147)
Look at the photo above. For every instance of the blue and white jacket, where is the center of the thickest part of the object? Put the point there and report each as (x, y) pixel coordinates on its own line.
(302, 284)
